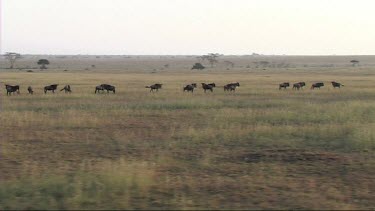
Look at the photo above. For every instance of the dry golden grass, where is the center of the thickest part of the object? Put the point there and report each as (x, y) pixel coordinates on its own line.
(258, 148)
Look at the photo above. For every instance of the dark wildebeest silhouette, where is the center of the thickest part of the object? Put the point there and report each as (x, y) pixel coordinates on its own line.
(336, 84)
(98, 89)
(30, 90)
(51, 88)
(154, 87)
(231, 87)
(212, 84)
(109, 88)
(284, 85)
(10, 89)
(299, 85)
(208, 87)
(190, 87)
(67, 89)
(317, 85)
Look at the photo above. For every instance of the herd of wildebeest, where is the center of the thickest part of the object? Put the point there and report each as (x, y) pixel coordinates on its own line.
(155, 87)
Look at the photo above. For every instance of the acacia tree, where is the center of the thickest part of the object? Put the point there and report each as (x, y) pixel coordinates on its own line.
(229, 64)
(43, 63)
(211, 58)
(12, 57)
(198, 66)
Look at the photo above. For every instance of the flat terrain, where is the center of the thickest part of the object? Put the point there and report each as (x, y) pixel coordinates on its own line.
(258, 148)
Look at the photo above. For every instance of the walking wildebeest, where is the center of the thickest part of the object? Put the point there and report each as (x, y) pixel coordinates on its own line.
(30, 90)
(212, 84)
(10, 89)
(52, 88)
(299, 85)
(190, 87)
(336, 84)
(109, 88)
(317, 85)
(154, 87)
(67, 89)
(231, 86)
(284, 85)
(208, 87)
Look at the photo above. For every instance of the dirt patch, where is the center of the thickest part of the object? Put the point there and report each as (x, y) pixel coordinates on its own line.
(291, 156)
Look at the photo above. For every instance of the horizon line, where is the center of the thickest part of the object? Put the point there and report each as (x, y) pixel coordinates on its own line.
(32, 54)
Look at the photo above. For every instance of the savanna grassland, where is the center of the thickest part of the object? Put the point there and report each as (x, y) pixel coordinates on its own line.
(258, 148)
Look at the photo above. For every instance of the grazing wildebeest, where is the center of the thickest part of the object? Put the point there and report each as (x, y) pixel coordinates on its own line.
(109, 88)
(10, 89)
(190, 87)
(208, 87)
(154, 87)
(317, 85)
(336, 84)
(67, 89)
(30, 90)
(52, 88)
(284, 85)
(99, 88)
(231, 86)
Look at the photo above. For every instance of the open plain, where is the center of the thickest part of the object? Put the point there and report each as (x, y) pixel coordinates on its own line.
(257, 148)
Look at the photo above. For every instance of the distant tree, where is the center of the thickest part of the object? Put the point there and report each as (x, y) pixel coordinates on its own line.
(43, 63)
(264, 63)
(166, 65)
(12, 57)
(261, 64)
(354, 62)
(198, 66)
(229, 64)
(211, 58)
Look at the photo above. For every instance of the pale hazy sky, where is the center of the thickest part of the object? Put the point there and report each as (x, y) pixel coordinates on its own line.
(305, 27)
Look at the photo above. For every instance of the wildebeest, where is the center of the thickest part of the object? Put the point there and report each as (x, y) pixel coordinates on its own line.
(10, 89)
(190, 87)
(98, 89)
(154, 87)
(317, 85)
(231, 86)
(109, 88)
(208, 87)
(284, 85)
(212, 84)
(336, 84)
(299, 85)
(30, 90)
(67, 89)
(52, 88)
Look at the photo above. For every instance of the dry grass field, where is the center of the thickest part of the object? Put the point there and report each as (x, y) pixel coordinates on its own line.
(258, 148)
